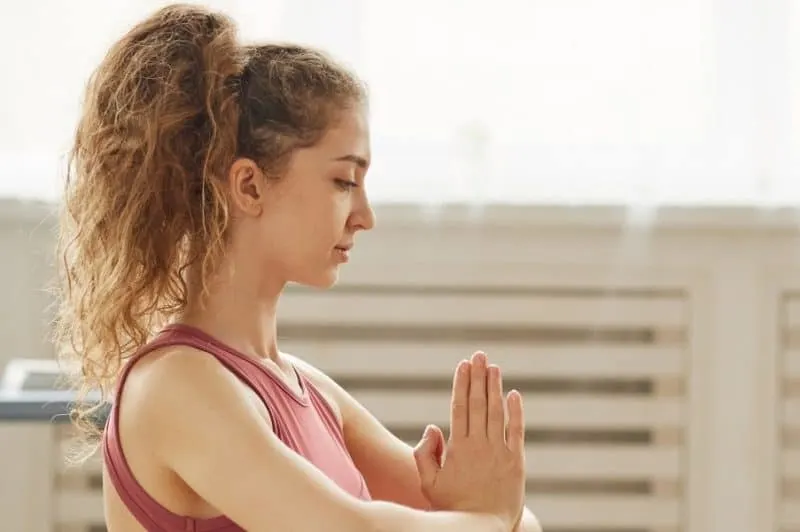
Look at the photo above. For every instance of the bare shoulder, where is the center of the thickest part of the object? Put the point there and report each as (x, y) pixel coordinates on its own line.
(168, 364)
(163, 384)
(174, 368)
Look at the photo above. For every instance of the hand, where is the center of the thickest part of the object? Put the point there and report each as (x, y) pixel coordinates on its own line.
(484, 460)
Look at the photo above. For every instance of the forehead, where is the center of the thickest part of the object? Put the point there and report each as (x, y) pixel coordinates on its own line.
(348, 135)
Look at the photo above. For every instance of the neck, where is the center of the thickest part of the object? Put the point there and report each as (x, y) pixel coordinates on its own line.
(237, 312)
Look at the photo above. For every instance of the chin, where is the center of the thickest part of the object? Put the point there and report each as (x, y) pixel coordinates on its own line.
(322, 280)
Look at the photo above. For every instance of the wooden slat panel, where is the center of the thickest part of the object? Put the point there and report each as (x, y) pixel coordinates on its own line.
(598, 512)
(402, 408)
(410, 360)
(464, 310)
(587, 463)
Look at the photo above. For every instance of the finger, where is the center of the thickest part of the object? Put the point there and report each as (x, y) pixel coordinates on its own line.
(496, 422)
(477, 395)
(459, 404)
(515, 431)
(438, 444)
(425, 455)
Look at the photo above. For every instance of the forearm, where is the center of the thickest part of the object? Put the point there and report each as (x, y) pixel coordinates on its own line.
(528, 523)
(390, 517)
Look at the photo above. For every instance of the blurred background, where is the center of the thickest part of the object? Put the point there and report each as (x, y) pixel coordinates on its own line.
(602, 194)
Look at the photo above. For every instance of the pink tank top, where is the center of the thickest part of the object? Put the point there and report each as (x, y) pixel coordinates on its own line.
(305, 423)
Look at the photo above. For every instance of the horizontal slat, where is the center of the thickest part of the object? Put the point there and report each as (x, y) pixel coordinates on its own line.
(602, 462)
(552, 462)
(598, 512)
(411, 360)
(342, 308)
(418, 408)
(79, 507)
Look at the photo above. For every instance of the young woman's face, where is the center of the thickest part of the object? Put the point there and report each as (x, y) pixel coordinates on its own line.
(301, 227)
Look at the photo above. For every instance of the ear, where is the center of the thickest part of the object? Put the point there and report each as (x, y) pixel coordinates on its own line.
(246, 184)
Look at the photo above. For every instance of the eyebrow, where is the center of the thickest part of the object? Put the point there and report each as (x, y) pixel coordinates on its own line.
(359, 161)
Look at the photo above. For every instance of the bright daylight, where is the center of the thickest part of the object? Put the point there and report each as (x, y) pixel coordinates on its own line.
(415, 266)
(619, 101)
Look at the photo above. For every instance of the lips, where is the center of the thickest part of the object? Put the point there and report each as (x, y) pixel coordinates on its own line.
(343, 252)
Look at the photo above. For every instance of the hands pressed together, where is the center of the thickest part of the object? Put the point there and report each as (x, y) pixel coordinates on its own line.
(481, 468)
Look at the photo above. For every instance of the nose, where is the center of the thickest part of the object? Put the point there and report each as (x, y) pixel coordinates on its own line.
(363, 218)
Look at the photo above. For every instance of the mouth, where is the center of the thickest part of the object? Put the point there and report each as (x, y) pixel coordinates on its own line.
(343, 252)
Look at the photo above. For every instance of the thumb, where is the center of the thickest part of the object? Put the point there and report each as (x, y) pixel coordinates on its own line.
(427, 452)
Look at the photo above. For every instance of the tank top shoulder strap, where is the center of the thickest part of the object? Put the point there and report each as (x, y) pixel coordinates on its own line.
(177, 335)
(152, 515)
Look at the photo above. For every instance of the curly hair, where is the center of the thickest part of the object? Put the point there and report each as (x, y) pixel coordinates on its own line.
(174, 102)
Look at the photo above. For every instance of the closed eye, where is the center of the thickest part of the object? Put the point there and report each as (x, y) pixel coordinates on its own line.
(345, 184)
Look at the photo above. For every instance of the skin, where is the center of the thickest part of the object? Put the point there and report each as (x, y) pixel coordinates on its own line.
(179, 406)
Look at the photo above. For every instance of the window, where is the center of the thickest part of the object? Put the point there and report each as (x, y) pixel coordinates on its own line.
(577, 101)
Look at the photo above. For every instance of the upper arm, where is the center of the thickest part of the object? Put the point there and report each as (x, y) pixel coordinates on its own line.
(207, 429)
(385, 461)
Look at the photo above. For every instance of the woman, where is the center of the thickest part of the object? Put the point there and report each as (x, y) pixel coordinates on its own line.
(204, 177)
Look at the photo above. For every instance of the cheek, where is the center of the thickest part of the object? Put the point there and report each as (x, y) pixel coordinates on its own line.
(305, 227)
(299, 236)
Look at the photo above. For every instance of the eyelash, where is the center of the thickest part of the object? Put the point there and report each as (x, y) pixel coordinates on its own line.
(345, 184)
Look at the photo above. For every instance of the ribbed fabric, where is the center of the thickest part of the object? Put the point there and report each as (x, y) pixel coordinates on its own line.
(305, 423)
